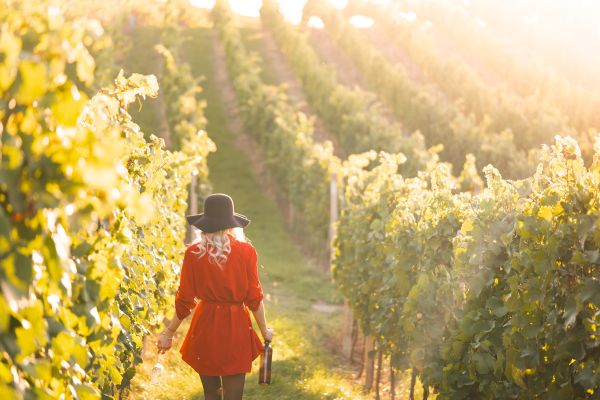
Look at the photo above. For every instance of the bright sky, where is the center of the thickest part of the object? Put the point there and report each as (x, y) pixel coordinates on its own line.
(291, 9)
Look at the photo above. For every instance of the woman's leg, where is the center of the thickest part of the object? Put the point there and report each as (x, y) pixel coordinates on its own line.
(212, 387)
(233, 386)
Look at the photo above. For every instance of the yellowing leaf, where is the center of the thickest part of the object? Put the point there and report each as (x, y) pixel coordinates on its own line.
(10, 47)
(109, 287)
(29, 123)
(467, 226)
(34, 82)
(517, 376)
(4, 315)
(26, 342)
(7, 393)
(546, 213)
(68, 105)
(87, 392)
(5, 375)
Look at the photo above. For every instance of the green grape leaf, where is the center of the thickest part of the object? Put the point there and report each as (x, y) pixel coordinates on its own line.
(23, 268)
(484, 363)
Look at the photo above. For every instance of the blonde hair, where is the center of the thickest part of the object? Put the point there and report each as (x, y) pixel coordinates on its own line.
(217, 244)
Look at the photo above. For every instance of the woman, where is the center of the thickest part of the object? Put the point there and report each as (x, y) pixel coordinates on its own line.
(221, 271)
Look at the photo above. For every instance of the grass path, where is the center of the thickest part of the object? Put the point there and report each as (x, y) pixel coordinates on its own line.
(304, 365)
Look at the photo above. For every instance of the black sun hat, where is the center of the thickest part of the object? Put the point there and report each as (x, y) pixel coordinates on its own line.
(218, 215)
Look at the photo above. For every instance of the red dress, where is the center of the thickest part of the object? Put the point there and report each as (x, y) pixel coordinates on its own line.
(221, 340)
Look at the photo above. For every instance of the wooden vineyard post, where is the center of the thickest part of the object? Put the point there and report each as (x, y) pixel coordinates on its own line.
(347, 323)
(333, 215)
(378, 377)
(369, 361)
(362, 361)
(347, 342)
(355, 337)
(291, 215)
(392, 381)
(413, 380)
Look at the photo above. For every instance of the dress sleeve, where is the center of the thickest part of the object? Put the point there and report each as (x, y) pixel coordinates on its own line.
(255, 294)
(185, 300)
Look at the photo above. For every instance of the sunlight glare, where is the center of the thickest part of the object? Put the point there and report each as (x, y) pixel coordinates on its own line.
(248, 8)
(361, 22)
(408, 16)
(315, 22)
(203, 3)
(291, 9)
(339, 4)
(427, 26)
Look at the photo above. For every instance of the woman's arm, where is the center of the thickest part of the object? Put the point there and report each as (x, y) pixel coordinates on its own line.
(255, 296)
(173, 324)
(165, 340)
(259, 316)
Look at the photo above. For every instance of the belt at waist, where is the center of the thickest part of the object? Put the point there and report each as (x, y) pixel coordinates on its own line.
(223, 303)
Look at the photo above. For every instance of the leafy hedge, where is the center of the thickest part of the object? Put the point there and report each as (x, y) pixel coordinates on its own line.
(487, 296)
(356, 117)
(494, 135)
(499, 57)
(91, 216)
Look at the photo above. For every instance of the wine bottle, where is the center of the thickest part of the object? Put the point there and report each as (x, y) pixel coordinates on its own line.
(264, 373)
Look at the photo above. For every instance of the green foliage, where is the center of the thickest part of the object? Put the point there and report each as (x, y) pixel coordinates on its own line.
(393, 259)
(91, 214)
(492, 295)
(531, 313)
(356, 117)
(492, 127)
(486, 75)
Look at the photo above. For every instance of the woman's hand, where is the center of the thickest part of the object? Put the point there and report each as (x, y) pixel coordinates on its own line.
(165, 341)
(268, 335)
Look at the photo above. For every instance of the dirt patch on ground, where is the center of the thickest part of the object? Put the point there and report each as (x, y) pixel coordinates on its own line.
(326, 308)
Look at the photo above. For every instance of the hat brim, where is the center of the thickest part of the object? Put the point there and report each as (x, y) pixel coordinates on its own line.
(210, 225)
